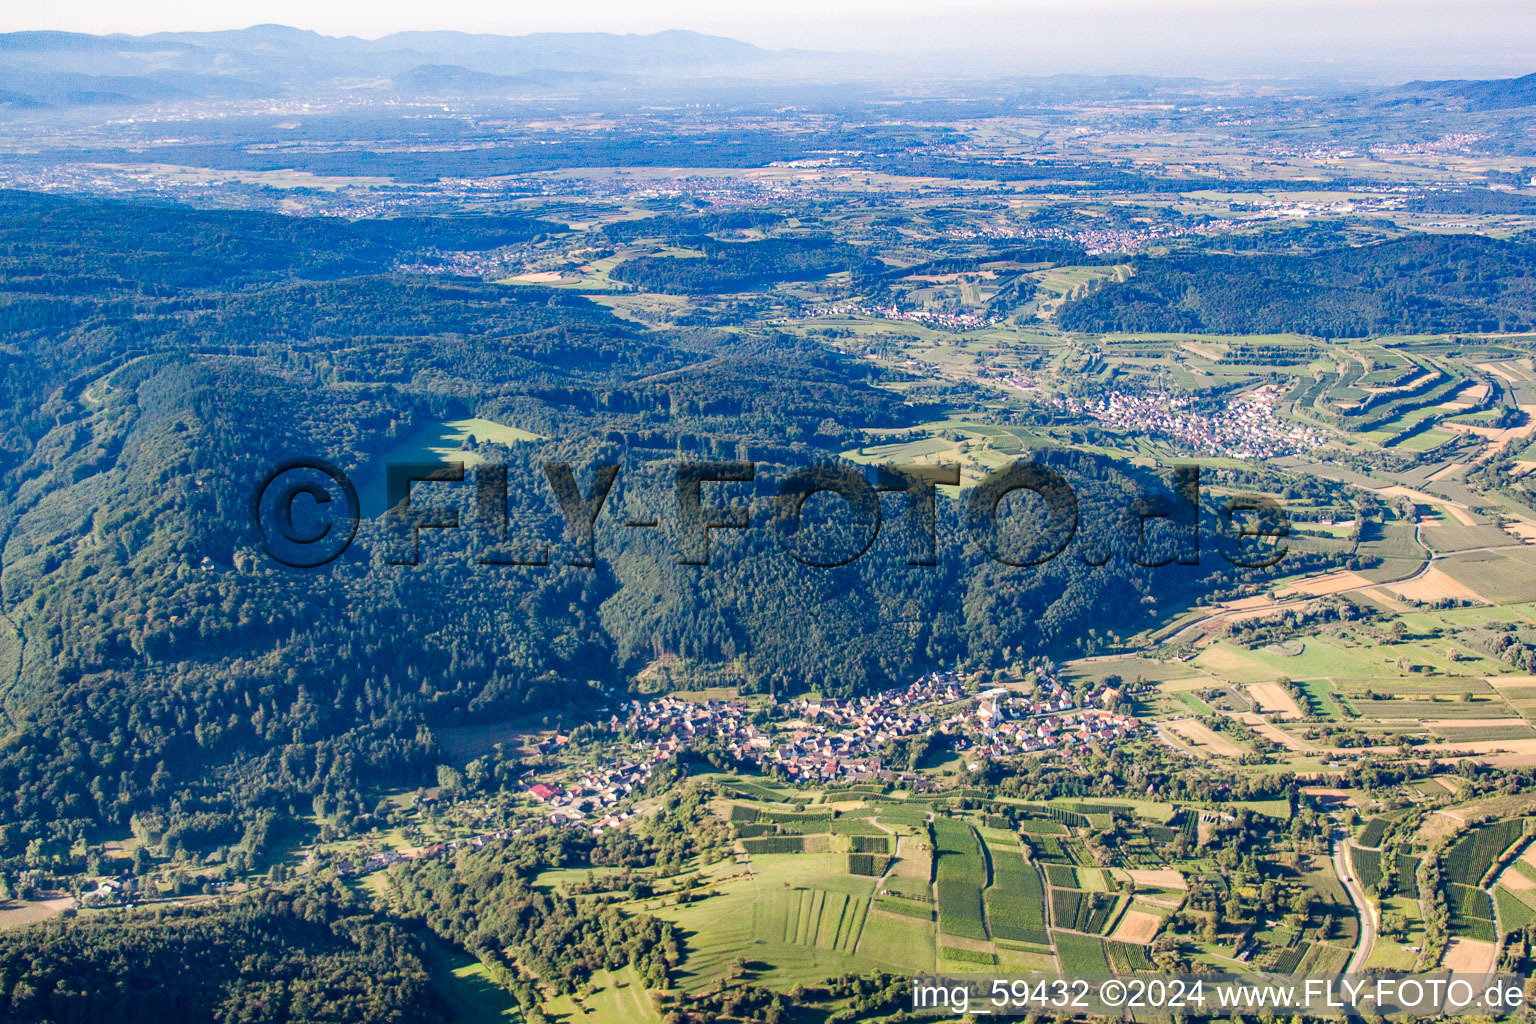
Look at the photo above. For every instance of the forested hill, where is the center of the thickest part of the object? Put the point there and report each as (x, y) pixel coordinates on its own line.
(739, 266)
(308, 957)
(156, 666)
(56, 246)
(1417, 284)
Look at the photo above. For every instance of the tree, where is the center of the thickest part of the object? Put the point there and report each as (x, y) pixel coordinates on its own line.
(449, 781)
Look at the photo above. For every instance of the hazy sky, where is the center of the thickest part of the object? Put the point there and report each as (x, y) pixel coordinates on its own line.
(1483, 36)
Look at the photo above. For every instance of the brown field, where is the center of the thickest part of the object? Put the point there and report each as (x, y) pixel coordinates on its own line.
(1529, 856)
(1487, 433)
(1275, 734)
(1327, 583)
(1460, 513)
(17, 914)
(1189, 685)
(1502, 682)
(1257, 601)
(1468, 956)
(1206, 740)
(1523, 531)
(1163, 878)
(1272, 697)
(1500, 371)
(1514, 880)
(1441, 474)
(1500, 753)
(1499, 438)
(1439, 824)
(1435, 585)
(1136, 926)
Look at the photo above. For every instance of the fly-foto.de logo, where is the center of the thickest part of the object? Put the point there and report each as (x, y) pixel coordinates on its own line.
(305, 513)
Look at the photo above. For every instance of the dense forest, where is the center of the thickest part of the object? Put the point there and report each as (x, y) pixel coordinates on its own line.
(538, 152)
(307, 956)
(741, 266)
(154, 662)
(1416, 284)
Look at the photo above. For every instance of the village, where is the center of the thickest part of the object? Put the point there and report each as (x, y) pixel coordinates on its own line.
(1247, 427)
(826, 741)
(810, 741)
(1097, 240)
(958, 321)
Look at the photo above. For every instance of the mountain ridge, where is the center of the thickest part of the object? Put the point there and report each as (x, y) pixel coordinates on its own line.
(277, 60)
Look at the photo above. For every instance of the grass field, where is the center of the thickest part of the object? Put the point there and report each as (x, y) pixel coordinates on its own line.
(898, 942)
(1393, 952)
(615, 997)
(475, 999)
(1506, 577)
(800, 913)
(431, 442)
(904, 907)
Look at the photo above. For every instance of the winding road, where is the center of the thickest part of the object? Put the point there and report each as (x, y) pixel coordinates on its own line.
(1343, 866)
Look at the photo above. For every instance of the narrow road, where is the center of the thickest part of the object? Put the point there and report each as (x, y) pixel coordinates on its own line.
(1344, 867)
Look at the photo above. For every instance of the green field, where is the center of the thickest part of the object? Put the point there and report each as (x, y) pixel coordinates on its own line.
(1469, 859)
(473, 997)
(1367, 868)
(801, 913)
(614, 997)
(1371, 835)
(960, 875)
(1015, 901)
(434, 441)
(1090, 912)
(1471, 912)
(1514, 913)
(1506, 577)
(1081, 954)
